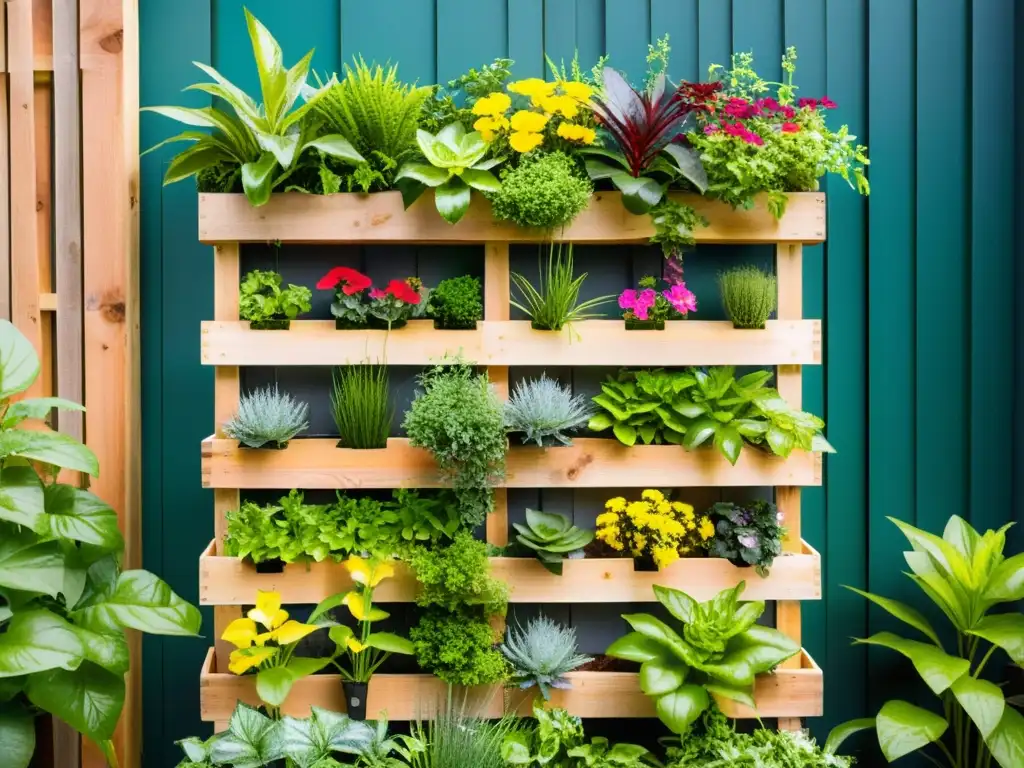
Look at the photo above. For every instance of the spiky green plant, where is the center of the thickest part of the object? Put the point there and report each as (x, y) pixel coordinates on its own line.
(543, 410)
(267, 417)
(361, 406)
(542, 654)
(555, 302)
(456, 739)
(749, 295)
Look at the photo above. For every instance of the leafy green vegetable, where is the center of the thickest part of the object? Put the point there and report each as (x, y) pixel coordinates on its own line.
(552, 537)
(455, 303)
(265, 304)
(545, 190)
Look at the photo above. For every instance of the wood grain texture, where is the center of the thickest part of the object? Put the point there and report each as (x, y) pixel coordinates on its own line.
(232, 581)
(588, 463)
(497, 295)
(381, 218)
(515, 343)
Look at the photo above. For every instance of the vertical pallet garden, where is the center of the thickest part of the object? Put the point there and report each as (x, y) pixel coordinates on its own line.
(792, 692)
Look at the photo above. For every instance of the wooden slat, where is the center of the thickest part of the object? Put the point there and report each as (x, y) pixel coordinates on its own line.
(497, 295)
(381, 217)
(588, 463)
(795, 692)
(232, 581)
(43, 115)
(5, 213)
(515, 343)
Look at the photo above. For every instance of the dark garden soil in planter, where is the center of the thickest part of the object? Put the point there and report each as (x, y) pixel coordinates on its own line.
(537, 327)
(355, 699)
(348, 325)
(382, 325)
(645, 325)
(270, 325)
(609, 664)
(276, 565)
(439, 326)
(264, 447)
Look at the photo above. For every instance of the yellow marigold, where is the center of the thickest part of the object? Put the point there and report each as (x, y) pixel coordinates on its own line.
(639, 542)
(532, 86)
(528, 122)
(618, 504)
(707, 529)
(637, 508)
(574, 132)
(679, 506)
(664, 556)
(652, 494)
(523, 141)
(566, 106)
(607, 518)
(577, 90)
(493, 105)
(610, 536)
(489, 126)
(664, 508)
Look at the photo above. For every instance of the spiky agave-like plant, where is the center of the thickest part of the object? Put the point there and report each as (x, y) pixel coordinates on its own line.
(542, 655)
(267, 416)
(543, 410)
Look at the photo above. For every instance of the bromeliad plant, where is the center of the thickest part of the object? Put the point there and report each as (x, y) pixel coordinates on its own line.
(965, 575)
(262, 143)
(717, 649)
(266, 305)
(65, 603)
(552, 537)
(542, 411)
(542, 655)
(654, 528)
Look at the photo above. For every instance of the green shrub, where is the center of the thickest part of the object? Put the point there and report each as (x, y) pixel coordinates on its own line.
(267, 417)
(262, 299)
(458, 418)
(458, 647)
(455, 303)
(555, 303)
(458, 576)
(749, 296)
(361, 407)
(544, 191)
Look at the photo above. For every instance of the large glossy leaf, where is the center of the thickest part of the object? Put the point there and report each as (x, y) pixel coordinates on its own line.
(482, 180)
(19, 363)
(269, 66)
(424, 173)
(687, 161)
(945, 555)
(89, 698)
(51, 448)
(29, 564)
(258, 179)
(107, 650)
(273, 685)
(1007, 741)
(21, 498)
(639, 195)
(676, 602)
(937, 668)
(17, 736)
(82, 516)
(904, 728)
(1006, 582)
(243, 104)
(678, 710)
(729, 441)
(144, 602)
(660, 677)
(1005, 630)
(36, 408)
(635, 647)
(194, 160)
(750, 653)
(452, 199)
(903, 612)
(624, 433)
(843, 731)
(655, 629)
(743, 694)
(284, 147)
(307, 740)
(295, 81)
(337, 146)
(982, 700)
(252, 739)
(938, 590)
(961, 536)
(700, 432)
(37, 641)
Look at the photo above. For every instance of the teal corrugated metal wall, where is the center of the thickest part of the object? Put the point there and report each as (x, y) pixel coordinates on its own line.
(916, 284)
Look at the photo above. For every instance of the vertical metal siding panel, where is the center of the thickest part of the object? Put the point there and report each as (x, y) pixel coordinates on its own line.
(627, 29)
(399, 31)
(560, 31)
(1016, 534)
(457, 50)
(942, 262)
(992, 293)
(590, 31)
(714, 43)
(804, 27)
(757, 28)
(846, 383)
(678, 19)
(526, 37)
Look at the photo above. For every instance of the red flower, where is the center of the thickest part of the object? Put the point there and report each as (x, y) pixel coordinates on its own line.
(827, 103)
(812, 103)
(354, 281)
(734, 129)
(738, 108)
(790, 128)
(788, 112)
(752, 138)
(403, 292)
(768, 104)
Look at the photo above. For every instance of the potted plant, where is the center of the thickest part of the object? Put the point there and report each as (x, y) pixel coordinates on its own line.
(552, 537)
(542, 655)
(267, 418)
(272, 535)
(555, 304)
(455, 304)
(361, 407)
(542, 411)
(748, 534)
(655, 301)
(749, 296)
(269, 307)
(357, 304)
(365, 649)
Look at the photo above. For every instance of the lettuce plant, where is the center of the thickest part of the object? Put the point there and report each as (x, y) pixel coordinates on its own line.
(965, 575)
(266, 305)
(717, 649)
(261, 142)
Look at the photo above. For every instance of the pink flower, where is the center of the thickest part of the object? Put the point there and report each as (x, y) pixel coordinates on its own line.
(709, 129)
(805, 102)
(734, 129)
(752, 138)
(738, 108)
(644, 301)
(788, 112)
(768, 105)
(827, 103)
(628, 299)
(790, 128)
(377, 293)
(681, 298)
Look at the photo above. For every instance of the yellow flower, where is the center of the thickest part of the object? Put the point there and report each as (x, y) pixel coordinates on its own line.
(577, 90)
(355, 646)
(489, 126)
(354, 601)
(528, 122)
(532, 87)
(707, 528)
(664, 556)
(494, 104)
(523, 142)
(243, 660)
(292, 631)
(639, 541)
(369, 573)
(573, 132)
(240, 633)
(615, 505)
(653, 495)
(664, 508)
(558, 105)
(268, 610)
(607, 518)
(637, 508)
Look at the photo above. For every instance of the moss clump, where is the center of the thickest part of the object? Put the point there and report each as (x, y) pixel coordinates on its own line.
(544, 190)
(749, 296)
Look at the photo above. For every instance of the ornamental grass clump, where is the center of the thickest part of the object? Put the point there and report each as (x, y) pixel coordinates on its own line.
(544, 191)
(360, 405)
(267, 417)
(542, 411)
(654, 529)
(749, 296)
(555, 302)
(542, 655)
(455, 304)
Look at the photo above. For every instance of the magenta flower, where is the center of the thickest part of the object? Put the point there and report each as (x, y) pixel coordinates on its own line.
(628, 299)
(734, 129)
(752, 138)
(709, 129)
(644, 301)
(681, 298)
(790, 128)
(737, 108)
(788, 112)
(805, 102)
(827, 103)
(768, 104)
(377, 293)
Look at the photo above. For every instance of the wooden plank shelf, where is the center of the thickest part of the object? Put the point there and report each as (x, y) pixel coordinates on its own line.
(382, 218)
(796, 692)
(232, 581)
(589, 463)
(590, 343)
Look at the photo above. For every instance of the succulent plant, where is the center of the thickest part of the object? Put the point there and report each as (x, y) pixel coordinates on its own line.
(267, 417)
(542, 654)
(542, 410)
(553, 537)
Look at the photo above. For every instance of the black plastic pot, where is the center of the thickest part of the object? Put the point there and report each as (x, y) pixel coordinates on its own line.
(270, 325)
(644, 564)
(347, 325)
(382, 325)
(355, 699)
(270, 566)
(644, 325)
(264, 447)
(439, 326)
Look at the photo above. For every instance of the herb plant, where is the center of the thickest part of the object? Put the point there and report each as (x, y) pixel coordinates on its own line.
(266, 305)
(455, 303)
(543, 191)
(718, 650)
(542, 655)
(555, 302)
(458, 418)
(267, 417)
(748, 534)
(262, 142)
(749, 296)
(361, 407)
(965, 575)
(457, 576)
(458, 647)
(455, 739)
(288, 531)
(654, 528)
(552, 537)
(542, 411)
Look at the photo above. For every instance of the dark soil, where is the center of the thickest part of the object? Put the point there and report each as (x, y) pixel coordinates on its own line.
(609, 664)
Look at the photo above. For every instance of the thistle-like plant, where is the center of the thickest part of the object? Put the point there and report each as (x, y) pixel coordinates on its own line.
(553, 537)
(267, 417)
(555, 303)
(542, 410)
(749, 296)
(542, 654)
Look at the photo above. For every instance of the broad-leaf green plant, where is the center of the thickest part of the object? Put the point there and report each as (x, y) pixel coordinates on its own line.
(965, 575)
(552, 537)
(65, 603)
(455, 166)
(717, 649)
(260, 142)
(266, 305)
